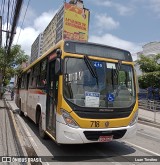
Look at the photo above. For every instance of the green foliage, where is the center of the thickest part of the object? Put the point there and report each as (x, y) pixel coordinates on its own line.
(18, 71)
(151, 71)
(150, 79)
(16, 57)
(149, 64)
(122, 76)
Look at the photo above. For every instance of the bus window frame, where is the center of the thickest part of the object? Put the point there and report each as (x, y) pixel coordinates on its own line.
(22, 81)
(76, 107)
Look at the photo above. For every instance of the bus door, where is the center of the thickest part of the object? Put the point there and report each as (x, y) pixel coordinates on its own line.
(25, 94)
(51, 99)
(27, 86)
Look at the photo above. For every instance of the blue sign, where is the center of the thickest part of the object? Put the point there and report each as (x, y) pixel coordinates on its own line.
(110, 97)
(92, 94)
(98, 64)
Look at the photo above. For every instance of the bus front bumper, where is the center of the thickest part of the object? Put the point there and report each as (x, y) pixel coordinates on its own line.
(69, 135)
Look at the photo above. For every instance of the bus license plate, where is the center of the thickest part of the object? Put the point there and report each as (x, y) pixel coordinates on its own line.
(105, 138)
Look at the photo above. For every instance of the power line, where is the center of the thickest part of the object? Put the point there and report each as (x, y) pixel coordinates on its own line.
(11, 15)
(2, 7)
(23, 20)
(15, 20)
(7, 36)
(12, 5)
(3, 11)
(8, 14)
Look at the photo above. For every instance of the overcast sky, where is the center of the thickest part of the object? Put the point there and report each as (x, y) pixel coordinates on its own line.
(126, 24)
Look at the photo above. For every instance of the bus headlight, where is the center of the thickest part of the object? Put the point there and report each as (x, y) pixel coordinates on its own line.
(69, 120)
(134, 119)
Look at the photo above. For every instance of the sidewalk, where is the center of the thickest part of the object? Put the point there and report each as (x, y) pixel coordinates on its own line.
(2, 104)
(12, 104)
(8, 140)
(151, 116)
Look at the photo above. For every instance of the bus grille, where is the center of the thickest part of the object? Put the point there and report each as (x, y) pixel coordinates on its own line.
(94, 135)
(103, 115)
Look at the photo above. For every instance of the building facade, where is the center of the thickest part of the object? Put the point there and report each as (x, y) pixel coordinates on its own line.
(49, 35)
(36, 48)
(151, 48)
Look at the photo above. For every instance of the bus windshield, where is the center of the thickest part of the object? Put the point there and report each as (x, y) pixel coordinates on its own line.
(113, 86)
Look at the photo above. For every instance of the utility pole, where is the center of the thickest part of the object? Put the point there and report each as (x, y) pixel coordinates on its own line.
(9, 40)
(15, 21)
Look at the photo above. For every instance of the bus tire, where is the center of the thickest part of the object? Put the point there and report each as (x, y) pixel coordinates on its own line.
(41, 131)
(20, 111)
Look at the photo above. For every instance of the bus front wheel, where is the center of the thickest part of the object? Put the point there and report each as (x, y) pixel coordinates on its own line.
(41, 131)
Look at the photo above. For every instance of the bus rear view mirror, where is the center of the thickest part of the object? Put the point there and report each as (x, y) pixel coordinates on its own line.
(58, 66)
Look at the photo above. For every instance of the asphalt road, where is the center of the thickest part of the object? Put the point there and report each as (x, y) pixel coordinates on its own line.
(145, 143)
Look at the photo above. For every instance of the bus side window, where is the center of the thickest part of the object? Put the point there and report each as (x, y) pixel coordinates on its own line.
(31, 78)
(22, 84)
(27, 81)
(18, 84)
(43, 73)
(37, 75)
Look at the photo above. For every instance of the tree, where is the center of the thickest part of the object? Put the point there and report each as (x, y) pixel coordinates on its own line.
(15, 57)
(151, 71)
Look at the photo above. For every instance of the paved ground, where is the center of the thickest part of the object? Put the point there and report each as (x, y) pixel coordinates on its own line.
(150, 115)
(8, 144)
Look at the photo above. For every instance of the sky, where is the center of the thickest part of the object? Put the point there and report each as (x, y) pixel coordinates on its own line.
(126, 24)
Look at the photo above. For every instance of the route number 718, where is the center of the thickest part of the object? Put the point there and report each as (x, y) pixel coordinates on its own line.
(95, 124)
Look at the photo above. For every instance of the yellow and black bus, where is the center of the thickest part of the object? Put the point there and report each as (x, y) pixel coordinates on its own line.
(80, 92)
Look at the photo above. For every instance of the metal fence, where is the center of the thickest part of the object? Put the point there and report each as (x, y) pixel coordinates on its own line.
(153, 105)
(149, 110)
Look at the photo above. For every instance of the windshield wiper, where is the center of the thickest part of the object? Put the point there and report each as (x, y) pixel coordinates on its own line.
(116, 72)
(91, 68)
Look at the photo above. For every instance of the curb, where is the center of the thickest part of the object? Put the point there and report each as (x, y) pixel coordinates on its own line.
(2, 104)
(21, 148)
(148, 122)
(27, 146)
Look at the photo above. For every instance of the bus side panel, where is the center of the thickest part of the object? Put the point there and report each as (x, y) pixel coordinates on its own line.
(23, 98)
(36, 98)
(17, 97)
(42, 102)
(31, 105)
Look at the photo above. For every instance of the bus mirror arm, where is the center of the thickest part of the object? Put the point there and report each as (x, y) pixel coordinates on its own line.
(59, 53)
(58, 66)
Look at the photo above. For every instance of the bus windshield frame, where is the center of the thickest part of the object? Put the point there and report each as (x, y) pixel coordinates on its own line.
(113, 97)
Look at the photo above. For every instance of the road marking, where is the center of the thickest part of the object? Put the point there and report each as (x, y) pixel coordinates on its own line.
(148, 135)
(27, 132)
(149, 151)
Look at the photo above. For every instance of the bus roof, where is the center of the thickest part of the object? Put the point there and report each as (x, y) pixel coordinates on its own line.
(98, 50)
(115, 52)
(44, 55)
